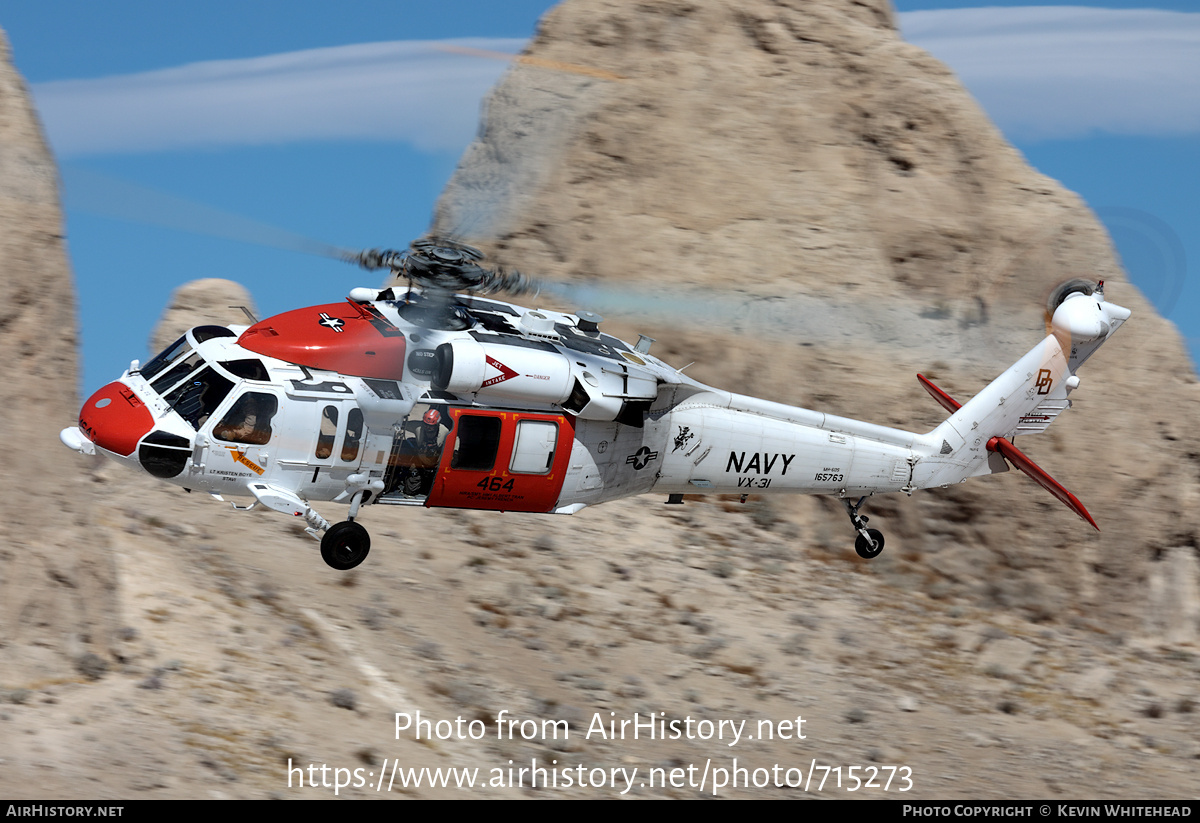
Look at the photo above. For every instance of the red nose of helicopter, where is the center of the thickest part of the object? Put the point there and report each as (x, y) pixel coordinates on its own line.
(115, 419)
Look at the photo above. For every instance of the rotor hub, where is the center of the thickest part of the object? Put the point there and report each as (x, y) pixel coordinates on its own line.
(446, 255)
(445, 266)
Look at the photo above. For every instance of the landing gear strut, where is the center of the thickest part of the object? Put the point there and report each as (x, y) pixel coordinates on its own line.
(869, 542)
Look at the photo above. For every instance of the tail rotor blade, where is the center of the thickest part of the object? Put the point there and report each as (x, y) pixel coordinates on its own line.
(947, 402)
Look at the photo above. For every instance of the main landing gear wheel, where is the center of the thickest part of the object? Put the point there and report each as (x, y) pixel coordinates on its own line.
(869, 548)
(345, 545)
(869, 542)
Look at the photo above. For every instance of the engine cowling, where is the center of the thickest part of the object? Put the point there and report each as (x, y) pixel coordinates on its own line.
(539, 373)
(496, 370)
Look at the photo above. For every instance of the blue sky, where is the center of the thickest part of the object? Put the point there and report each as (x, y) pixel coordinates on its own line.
(343, 124)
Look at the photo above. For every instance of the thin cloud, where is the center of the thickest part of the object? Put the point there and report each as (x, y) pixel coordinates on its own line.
(1045, 72)
(413, 91)
(1040, 72)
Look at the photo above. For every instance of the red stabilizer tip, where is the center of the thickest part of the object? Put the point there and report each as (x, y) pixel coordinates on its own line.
(948, 403)
(1019, 459)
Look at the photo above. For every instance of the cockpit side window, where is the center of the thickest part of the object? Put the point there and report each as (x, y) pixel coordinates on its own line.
(249, 420)
(198, 397)
(165, 358)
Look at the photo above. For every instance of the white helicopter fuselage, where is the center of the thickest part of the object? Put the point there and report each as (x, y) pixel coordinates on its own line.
(532, 411)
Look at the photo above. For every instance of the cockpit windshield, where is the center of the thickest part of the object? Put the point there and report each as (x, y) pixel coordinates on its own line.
(165, 358)
(180, 369)
(186, 381)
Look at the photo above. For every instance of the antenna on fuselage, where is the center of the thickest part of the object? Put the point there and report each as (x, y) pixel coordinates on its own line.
(248, 313)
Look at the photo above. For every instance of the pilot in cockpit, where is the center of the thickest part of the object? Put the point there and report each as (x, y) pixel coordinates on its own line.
(247, 422)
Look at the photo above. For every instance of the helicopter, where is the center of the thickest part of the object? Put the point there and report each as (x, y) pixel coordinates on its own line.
(433, 392)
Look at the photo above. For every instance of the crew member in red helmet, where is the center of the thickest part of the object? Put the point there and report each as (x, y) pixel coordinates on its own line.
(424, 450)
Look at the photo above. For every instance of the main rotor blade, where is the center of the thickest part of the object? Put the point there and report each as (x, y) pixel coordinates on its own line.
(501, 172)
(810, 319)
(122, 200)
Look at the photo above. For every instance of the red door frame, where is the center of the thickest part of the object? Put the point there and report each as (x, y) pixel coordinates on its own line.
(499, 489)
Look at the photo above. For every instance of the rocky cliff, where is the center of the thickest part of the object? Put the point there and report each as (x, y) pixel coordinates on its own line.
(56, 578)
(775, 152)
(200, 302)
(996, 649)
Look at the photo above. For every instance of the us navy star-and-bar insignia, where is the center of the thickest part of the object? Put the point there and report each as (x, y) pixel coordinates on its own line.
(334, 323)
(641, 458)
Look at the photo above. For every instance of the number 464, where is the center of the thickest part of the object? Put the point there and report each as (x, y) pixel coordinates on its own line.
(495, 484)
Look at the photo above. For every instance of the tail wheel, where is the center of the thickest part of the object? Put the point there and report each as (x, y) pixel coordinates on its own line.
(345, 545)
(869, 548)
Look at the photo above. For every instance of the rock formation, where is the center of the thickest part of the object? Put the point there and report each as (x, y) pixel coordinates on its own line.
(211, 300)
(56, 577)
(777, 151)
(792, 149)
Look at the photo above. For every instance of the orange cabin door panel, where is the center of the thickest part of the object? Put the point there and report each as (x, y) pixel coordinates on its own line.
(503, 461)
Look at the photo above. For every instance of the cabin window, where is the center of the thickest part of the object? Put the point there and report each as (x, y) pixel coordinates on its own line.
(533, 449)
(329, 420)
(476, 444)
(354, 433)
(249, 421)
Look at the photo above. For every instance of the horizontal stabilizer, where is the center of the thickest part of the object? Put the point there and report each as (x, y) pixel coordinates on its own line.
(1018, 458)
(1039, 476)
